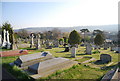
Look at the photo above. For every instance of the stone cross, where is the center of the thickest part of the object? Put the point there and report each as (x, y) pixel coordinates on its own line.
(4, 40)
(32, 41)
(38, 42)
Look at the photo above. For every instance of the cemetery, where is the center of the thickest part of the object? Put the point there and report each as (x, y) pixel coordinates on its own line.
(51, 58)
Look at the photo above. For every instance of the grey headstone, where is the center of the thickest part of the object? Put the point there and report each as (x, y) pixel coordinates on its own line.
(73, 52)
(88, 49)
(105, 58)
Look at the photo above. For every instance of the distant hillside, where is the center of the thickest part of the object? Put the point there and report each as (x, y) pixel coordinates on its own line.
(110, 28)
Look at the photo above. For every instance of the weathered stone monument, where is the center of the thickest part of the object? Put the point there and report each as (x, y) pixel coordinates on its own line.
(38, 46)
(32, 40)
(105, 58)
(8, 41)
(88, 49)
(30, 59)
(73, 52)
(56, 43)
(105, 46)
(4, 40)
(14, 45)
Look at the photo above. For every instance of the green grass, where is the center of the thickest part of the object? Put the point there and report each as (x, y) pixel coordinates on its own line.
(78, 72)
(83, 59)
(75, 72)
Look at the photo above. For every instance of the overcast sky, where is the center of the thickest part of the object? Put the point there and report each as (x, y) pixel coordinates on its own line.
(59, 13)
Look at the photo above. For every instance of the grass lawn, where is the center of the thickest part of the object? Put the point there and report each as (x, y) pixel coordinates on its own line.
(75, 72)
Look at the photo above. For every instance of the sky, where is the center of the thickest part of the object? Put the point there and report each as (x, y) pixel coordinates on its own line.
(59, 13)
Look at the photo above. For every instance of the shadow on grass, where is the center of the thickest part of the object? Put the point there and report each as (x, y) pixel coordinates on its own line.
(16, 72)
(110, 67)
(99, 62)
(80, 54)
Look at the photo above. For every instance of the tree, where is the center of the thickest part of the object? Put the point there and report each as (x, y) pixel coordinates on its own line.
(84, 31)
(7, 26)
(74, 38)
(98, 40)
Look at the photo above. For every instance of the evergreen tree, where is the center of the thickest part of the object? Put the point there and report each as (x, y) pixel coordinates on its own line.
(98, 40)
(74, 38)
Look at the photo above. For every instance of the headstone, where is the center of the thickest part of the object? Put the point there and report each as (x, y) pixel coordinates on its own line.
(66, 49)
(14, 45)
(0, 40)
(38, 42)
(88, 49)
(30, 59)
(32, 41)
(47, 43)
(117, 49)
(56, 43)
(105, 58)
(8, 41)
(105, 46)
(73, 52)
(4, 40)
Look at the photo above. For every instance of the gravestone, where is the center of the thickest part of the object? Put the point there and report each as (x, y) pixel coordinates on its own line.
(56, 43)
(105, 46)
(38, 42)
(66, 49)
(0, 40)
(8, 41)
(117, 49)
(4, 40)
(50, 66)
(32, 41)
(105, 58)
(30, 59)
(88, 49)
(73, 52)
(14, 45)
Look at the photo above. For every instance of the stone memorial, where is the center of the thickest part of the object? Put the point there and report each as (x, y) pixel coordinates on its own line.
(32, 41)
(88, 49)
(38, 42)
(105, 58)
(8, 41)
(14, 45)
(56, 43)
(51, 65)
(73, 52)
(4, 40)
(30, 59)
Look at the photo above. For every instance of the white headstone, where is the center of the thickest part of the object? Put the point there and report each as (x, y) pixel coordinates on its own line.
(8, 40)
(73, 52)
(4, 40)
